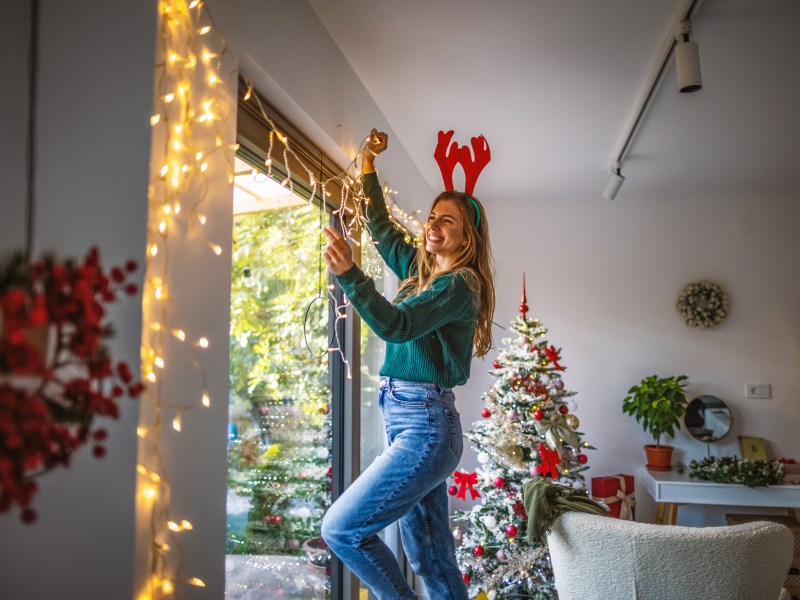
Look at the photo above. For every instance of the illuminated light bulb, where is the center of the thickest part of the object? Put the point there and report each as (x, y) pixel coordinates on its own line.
(141, 469)
(197, 582)
(176, 423)
(236, 147)
(169, 97)
(202, 342)
(218, 142)
(194, 3)
(202, 219)
(155, 119)
(206, 400)
(149, 493)
(311, 179)
(212, 79)
(184, 168)
(180, 334)
(178, 128)
(330, 287)
(192, 62)
(141, 432)
(167, 587)
(151, 377)
(175, 182)
(247, 94)
(144, 597)
(217, 250)
(284, 182)
(205, 30)
(176, 144)
(167, 209)
(164, 547)
(186, 525)
(268, 162)
(173, 57)
(159, 362)
(159, 292)
(176, 208)
(162, 227)
(198, 156)
(154, 477)
(173, 526)
(153, 249)
(164, 170)
(203, 167)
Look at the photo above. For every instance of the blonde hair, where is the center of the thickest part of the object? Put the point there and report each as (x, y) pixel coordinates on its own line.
(473, 262)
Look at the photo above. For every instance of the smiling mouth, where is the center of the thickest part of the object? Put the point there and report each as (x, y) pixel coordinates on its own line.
(433, 238)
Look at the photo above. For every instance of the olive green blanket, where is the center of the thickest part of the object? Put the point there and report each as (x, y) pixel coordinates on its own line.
(545, 502)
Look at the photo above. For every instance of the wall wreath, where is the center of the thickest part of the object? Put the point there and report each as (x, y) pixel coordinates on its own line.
(703, 304)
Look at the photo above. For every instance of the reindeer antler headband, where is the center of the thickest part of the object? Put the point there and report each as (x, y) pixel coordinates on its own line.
(449, 155)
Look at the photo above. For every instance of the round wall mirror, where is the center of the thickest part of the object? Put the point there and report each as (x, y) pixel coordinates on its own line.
(708, 419)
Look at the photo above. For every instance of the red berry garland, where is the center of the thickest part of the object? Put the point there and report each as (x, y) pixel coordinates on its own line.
(49, 397)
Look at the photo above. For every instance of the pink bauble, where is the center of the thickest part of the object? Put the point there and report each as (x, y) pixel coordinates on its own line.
(532, 471)
(501, 555)
(452, 490)
(513, 415)
(558, 384)
(294, 544)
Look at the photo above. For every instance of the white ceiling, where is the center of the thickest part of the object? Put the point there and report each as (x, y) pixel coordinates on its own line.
(553, 83)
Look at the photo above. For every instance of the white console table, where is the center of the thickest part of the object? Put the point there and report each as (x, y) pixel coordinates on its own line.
(670, 489)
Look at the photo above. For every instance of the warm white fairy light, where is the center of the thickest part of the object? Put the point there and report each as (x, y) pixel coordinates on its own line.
(192, 109)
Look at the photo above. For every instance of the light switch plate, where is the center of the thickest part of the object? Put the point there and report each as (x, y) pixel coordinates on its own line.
(759, 390)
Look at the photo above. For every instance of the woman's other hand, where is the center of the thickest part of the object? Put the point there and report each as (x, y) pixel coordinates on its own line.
(338, 255)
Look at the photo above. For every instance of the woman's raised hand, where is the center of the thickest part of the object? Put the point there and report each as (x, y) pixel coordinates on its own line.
(377, 142)
(338, 255)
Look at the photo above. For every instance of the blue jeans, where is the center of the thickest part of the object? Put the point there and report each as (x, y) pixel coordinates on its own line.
(406, 482)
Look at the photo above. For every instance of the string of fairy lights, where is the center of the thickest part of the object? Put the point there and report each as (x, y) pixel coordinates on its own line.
(192, 109)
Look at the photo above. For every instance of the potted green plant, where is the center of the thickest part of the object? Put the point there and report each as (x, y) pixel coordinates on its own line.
(658, 403)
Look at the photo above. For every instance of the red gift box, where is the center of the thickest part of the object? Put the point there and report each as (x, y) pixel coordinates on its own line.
(618, 493)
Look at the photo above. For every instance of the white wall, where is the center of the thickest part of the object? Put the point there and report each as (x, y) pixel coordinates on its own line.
(95, 84)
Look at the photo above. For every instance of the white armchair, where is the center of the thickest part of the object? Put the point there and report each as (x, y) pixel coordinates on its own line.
(601, 558)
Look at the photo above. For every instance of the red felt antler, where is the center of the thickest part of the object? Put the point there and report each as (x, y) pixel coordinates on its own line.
(448, 155)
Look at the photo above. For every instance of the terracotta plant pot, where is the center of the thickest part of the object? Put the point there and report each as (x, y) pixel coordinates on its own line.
(659, 458)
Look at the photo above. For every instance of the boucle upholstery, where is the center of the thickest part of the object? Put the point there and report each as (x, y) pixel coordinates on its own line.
(601, 558)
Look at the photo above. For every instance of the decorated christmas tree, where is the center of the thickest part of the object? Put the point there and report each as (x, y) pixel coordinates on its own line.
(527, 430)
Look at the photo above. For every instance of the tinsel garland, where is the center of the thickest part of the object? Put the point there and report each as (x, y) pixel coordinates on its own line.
(731, 469)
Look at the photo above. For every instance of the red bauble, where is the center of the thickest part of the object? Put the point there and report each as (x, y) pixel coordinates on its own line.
(582, 458)
(563, 409)
(496, 365)
(325, 410)
(478, 551)
(511, 531)
(499, 482)
(538, 414)
(486, 413)
(276, 519)
(452, 490)
(466, 578)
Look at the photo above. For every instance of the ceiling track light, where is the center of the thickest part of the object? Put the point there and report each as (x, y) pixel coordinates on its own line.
(687, 58)
(615, 182)
(687, 61)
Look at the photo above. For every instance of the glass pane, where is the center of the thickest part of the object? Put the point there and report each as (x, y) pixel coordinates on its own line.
(279, 461)
(373, 437)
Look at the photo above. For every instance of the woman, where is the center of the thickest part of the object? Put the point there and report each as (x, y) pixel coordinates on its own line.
(444, 306)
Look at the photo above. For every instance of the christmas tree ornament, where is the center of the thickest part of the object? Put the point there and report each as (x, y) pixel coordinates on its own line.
(466, 481)
(452, 490)
(572, 422)
(550, 460)
(501, 555)
(483, 458)
(499, 482)
(457, 533)
(489, 521)
(523, 303)
(293, 544)
(558, 384)
(496, 364)
(538, 414)
(486, 413)
(478, 551)
(512, 415)
(582, 458)
(466, 578)
(524, 341)
(511, 531)
(563, 409)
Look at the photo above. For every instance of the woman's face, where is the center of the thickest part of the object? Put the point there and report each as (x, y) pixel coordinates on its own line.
(444, 231)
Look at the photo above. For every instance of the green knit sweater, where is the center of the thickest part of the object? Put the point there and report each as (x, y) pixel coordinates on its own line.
(428, 335)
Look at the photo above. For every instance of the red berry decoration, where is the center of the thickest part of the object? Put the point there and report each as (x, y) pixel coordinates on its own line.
(478, 551)
(452, 490)
(538, 414)
(563, 409)
(486, 413)
(511, 531)
(499, 482)
(496, 365)
(582, 458)
(466, 578)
